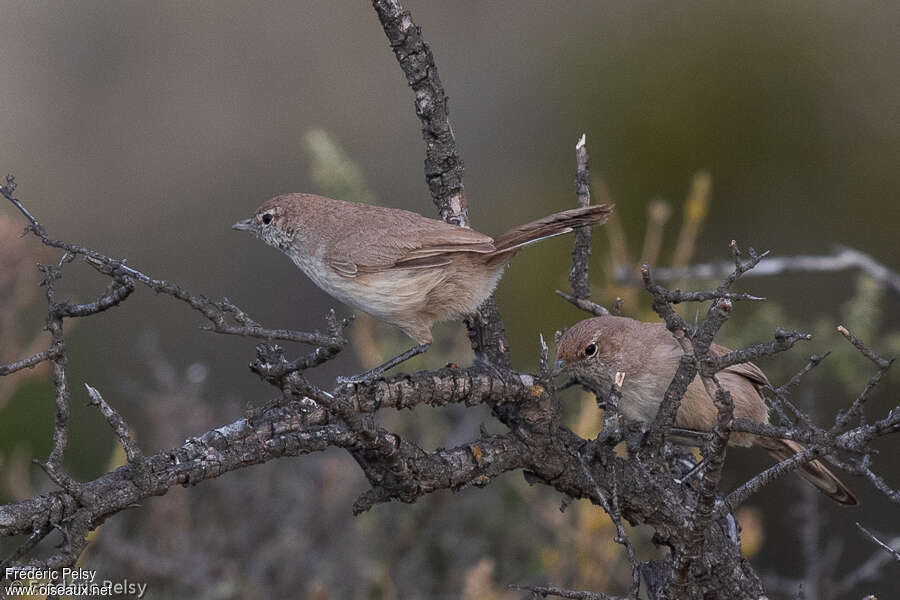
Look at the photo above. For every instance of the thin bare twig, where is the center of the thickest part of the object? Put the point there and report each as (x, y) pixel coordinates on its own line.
(856, 409)
(585, 304)
(784, 340)
(882, 486)
(118, 424)
(869, 570)
(53, 465)
(738, 496)
(116, 268)
(30, 362)
(841, 258)
(888, 548)
(880, 361)
(581, 248)
(551, 590)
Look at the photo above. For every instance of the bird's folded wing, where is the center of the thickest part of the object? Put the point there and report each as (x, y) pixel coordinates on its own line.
(424, 243)
(668, 351)
(747, 369)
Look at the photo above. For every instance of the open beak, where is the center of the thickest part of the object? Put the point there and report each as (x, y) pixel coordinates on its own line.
(245, 225)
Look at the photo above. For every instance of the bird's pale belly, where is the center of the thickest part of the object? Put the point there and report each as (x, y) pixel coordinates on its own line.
(403, 296)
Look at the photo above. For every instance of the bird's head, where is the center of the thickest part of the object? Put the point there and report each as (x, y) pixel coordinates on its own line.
(590, 349)
(273, 222)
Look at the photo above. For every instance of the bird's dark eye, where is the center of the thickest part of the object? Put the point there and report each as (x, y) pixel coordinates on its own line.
(267, 218)
(590, 350)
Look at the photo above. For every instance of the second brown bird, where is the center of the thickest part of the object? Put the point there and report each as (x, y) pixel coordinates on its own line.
(647, 353)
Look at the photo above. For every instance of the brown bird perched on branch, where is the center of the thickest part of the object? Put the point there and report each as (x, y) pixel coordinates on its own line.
(647, 353)
(397, 265)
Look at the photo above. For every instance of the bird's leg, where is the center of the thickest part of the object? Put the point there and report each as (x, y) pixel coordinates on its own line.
(689, 437)
(694, 471)
(378, 371)
(484, 363)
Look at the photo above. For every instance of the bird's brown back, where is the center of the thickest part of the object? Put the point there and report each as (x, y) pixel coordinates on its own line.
(362, 237)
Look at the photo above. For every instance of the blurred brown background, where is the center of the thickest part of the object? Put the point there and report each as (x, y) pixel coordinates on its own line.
(145, 130)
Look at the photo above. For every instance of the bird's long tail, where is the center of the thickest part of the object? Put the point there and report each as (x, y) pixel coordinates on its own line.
(814, 471)
(550, 226)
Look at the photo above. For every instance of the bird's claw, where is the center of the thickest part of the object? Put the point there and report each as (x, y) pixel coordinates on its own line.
(484, 363)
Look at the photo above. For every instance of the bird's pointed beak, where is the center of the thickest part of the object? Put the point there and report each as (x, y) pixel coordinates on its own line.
(245, 225)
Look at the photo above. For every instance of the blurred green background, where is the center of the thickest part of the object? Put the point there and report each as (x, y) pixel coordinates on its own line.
(145, 130)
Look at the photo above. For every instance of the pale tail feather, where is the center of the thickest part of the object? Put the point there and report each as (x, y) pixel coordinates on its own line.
(550, 226)
(814, 471)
